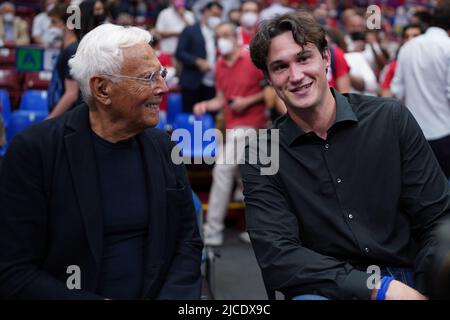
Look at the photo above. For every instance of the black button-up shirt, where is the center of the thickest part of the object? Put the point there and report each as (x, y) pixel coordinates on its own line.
(370, 194)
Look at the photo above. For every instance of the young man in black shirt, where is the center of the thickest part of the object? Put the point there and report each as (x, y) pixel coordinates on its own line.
(351, 212)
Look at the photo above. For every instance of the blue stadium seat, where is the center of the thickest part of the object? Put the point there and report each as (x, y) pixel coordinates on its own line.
(187, 121)
(3, 150)
(34, 100)
(174, 106)
(5, 106)
(21, 119)
(162, 121)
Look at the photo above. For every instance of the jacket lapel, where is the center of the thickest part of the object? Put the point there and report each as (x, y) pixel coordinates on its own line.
(80, 152)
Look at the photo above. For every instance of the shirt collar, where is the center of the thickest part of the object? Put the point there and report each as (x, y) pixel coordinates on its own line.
(344, 114)
(435, 31)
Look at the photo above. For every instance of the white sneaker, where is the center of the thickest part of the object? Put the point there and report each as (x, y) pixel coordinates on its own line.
(244, 237)
(213, 240)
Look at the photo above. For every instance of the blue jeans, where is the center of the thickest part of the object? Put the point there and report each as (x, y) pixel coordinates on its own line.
(400, 274)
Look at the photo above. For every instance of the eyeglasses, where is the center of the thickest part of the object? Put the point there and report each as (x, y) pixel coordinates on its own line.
(150, 79)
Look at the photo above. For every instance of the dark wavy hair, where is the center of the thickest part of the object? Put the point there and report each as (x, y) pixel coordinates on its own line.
(304, 29)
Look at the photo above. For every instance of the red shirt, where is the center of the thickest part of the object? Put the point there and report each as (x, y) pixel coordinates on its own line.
(242, 79)
(386, 82)
(244, 37)
(340, 65)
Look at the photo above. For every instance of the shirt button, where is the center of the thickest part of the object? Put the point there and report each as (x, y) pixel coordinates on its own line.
(367, 250)
(350, 216)
(327, 146)
(339, 180)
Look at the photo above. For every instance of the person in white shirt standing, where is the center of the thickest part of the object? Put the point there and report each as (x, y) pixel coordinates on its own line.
(422, 79)
(171, 21)
(43, 32)
(278, 7)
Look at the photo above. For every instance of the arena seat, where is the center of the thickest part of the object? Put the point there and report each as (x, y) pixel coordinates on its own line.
(5, 106)
(39, 80)
(7, 57)
(187, 121)
(22, 119)
(10, 80)
(34, 100)
(174, 106)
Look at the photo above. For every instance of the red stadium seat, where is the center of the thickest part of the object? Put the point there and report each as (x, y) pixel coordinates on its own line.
(7, 57)
(25, 12)
(10, 80)
(37, 80)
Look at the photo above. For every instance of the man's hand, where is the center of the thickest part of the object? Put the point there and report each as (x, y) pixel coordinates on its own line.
(400, 291)
(202, 64)
(200, 108)
(238, 104)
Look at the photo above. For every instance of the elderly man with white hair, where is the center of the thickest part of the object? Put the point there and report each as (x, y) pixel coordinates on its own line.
(92, 207)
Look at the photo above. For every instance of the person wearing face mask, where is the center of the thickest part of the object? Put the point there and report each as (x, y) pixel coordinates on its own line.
(248, 21)
(13, 30)
(42, 32)
(239, 93)
(93, 14)
(196, 51)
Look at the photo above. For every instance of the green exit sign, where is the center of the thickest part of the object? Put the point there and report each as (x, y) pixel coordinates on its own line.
(29, 59)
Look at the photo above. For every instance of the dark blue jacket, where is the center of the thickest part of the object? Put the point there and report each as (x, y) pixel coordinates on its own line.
(191, 45)
(51, 215)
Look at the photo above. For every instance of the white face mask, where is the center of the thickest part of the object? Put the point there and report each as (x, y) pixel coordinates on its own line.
(249, 19)
(8, 17)
(213, 22)
(50, 7)
(55, 33)
(225, 46)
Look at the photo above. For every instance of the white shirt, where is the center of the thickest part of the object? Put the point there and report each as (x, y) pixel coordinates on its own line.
(41, 23)
(208, 35)
(170, 21)
(273, 10)
(361, 68)
(422, 79)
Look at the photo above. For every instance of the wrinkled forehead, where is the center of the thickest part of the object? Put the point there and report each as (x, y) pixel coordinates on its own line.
(139, 58)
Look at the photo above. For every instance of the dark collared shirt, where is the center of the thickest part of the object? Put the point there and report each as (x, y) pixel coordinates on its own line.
(370, 194)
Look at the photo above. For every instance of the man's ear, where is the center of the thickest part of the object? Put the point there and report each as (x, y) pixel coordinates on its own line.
(327, 57)
(100, 89)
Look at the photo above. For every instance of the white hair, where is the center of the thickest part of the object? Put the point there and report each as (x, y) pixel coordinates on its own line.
(100, 52)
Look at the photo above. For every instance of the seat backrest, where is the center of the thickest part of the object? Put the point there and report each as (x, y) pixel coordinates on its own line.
(9, 79)
(162, 121)
(5, 106)
(22, 119)
(190, 122)
(37, 80)
(7, 57)
(174, 106)
(36, 100)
